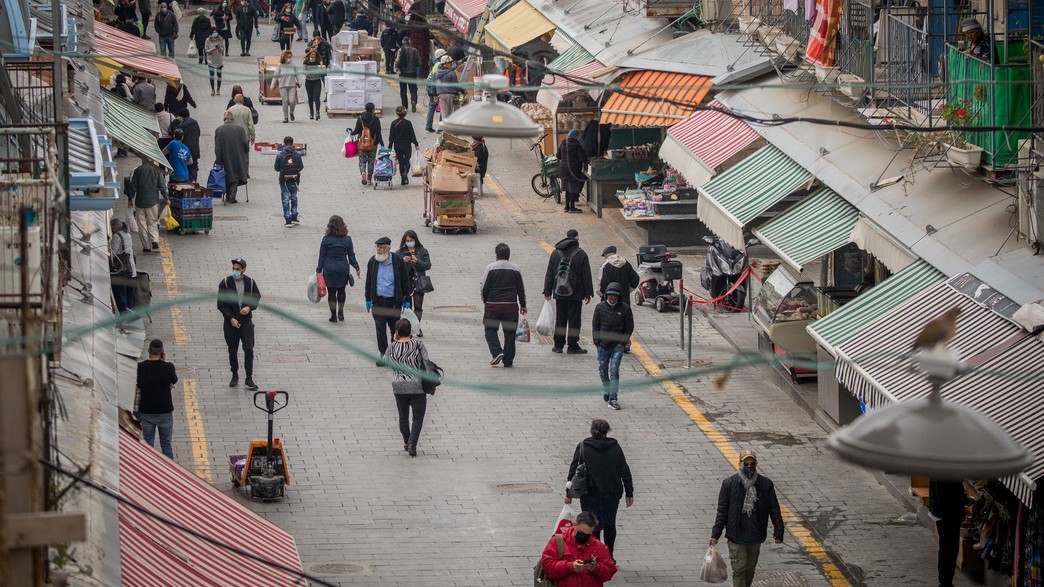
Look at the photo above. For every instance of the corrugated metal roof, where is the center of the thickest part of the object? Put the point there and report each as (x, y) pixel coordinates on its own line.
(606, 29)
(701, 52)
(133, 126)
(571, 58)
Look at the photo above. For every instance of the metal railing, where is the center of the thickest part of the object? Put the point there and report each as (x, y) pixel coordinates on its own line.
(855, 51)
(904, 66)
(1037, 109)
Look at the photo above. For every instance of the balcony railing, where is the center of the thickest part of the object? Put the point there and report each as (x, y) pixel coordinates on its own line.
(1037, 109)
(904, 66)
(855, 52)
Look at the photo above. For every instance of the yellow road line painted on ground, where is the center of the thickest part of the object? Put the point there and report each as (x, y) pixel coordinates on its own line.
(200, 454)
(547, 247)
(812, 546)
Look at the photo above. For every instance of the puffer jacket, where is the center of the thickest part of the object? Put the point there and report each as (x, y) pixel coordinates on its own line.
(608, 474)
(579, 267)
(612, 325)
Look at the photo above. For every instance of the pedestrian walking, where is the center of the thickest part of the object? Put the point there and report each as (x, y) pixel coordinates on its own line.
(585, 560)
(289, 165)
(313, 67)
(387, 290)
(166, 25)
(222, 17)
(611, 329)
(407, 65)
(322, 20)
(247, 24)
(144, 94)
(572, 160)
(145, 9)
(177, 97)
(368, 134)
(215, 61)
(408, 388)
(745, 503)
(390, 40)
(179, 156)
(163, 119)
(478, 146)
(616, 269)
(608, 479)
(568, 280)
(190, 132)
(232, 152)
(503, 299)
(403, 140)
(153, 404)
(432, 90)
(199, 32)
(237, 90)
(288, 24)
(238, 297)
(336, 12)
(446, 87)
(287, 80)
(336, 260)
(122, 268)
(242, 115)
(145, 190)
(418, 262)
(323, 48)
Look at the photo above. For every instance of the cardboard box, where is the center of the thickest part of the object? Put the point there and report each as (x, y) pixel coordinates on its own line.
(465, 220)
(455, 143)
(338, 85)
(376, 98)
(355, 100)
(365, 66)
(464, 161)
(336, 101)
(346, 37)
(447, 179)
(373, 84)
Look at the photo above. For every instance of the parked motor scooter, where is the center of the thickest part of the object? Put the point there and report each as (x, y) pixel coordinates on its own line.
(725, 264)
(510, 97)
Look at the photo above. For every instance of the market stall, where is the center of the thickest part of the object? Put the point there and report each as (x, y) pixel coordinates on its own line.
(449, 196)
(663, 208)
(787, 304)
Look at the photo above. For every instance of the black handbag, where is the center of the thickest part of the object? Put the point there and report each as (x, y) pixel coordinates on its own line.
(579, 484)
(428, 385)
(351, 278)
(423, 284)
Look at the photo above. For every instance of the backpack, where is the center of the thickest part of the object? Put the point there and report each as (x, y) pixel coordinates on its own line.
(366, 139)
(564, 278)
(539, 578)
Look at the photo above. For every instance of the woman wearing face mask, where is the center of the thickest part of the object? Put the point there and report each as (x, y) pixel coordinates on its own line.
(288, 24)
(215, 61)
(222, 17)
(336, 258)
(608, 479)
(287, 80)
(417, 263)
(313, 83)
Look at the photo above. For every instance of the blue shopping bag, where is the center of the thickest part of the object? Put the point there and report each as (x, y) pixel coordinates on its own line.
(216, 180)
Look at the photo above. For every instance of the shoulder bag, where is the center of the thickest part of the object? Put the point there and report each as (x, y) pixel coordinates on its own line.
(579, 485)
(433, 369)
(423, 284)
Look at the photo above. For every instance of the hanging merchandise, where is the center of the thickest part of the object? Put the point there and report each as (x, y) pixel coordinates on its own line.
(1031, 544)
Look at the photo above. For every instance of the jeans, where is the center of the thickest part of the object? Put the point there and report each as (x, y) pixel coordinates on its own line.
(165, 423)
(411, 88)
(233, 337)
(385, 315)
(494, 321)
(288, 189)
(123, 293)
(432, 102)
(609, 370)
(389, 60)
(215, 73)
(744, 558)
(604, 508)
(567, 322)
(166, 46)
(418, 402)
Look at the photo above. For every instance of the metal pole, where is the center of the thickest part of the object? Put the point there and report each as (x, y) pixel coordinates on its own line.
(682, 299)
(689, 312)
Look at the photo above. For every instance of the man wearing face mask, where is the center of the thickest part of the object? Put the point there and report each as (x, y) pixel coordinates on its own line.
(585, 561)
(387, 290)
(239, 297)
(166, 25)
(745, 503)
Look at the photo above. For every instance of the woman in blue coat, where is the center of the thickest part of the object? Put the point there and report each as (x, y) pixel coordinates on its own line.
(336, 258)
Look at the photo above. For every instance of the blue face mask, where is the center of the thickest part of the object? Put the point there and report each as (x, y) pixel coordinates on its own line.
(236, 274)
(409, 244)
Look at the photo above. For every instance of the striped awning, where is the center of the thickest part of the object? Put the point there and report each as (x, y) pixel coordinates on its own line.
(734, 198)
(850, 319)
(557, 87)
(665, 98)
(153, 553)
(1005, 382)
(133, 127)
(699, 144)
(813, 227)
(519, 25)
(571, 58)
(499, 7)
(119, 50)
(881, 245)
(462, 12)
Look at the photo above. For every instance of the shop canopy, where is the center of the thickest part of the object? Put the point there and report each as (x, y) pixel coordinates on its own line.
(850, 319)
(573, 57)
(557, 87)
(154, 553)
(741, 194)
(813, 227)
(462, 12)
(654, 98)
(499, 7)
(697, 145)
(519, 25)
(133, 127)
(884, 248)
(1003, 383)
(119, 51)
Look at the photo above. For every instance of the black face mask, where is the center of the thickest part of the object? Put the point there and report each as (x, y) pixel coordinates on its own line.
(581, 537)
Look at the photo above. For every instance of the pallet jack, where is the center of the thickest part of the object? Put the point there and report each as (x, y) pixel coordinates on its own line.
(264, 467)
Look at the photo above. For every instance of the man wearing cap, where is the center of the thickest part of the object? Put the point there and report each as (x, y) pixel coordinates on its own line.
(152, 402)
(979, 45)
(433, 100)
(745, 503)
(387, 290)
(238, 297)
(611, 329)
(568, 256)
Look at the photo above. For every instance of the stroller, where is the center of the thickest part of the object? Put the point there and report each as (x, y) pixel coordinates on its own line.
(656, 275)
(384, 167)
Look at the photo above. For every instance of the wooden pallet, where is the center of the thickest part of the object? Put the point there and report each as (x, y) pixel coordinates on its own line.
(334, 113)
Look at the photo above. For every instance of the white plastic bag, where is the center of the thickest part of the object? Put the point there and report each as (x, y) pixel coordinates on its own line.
(176, 9)
(522, 333)
(569, 513)
(313, 290)
(192, 50)
(714, 568)
(546, 322)
(414, 320)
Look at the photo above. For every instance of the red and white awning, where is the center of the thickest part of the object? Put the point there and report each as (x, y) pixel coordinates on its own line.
(556, 87)
(697, 145)
(154, 554)
(119, 50)
(462, 12)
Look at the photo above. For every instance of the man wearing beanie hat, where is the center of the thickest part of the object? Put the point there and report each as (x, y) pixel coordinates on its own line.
(979, 44)
(568, 279)
(152, 402)
(611, 329)
(572, 160)
(238, 297)
(387, 290)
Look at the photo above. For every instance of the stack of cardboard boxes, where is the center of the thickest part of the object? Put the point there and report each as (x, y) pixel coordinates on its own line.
(353, 86)
(353, 46)
(449, 170)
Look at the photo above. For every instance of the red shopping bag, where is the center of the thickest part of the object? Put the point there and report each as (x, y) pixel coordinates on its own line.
(321, 283)
(351, 148)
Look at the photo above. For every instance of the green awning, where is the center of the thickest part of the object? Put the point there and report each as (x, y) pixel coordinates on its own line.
(817, 225)
(842, 324)
(571, 58)
(498, 7)
(733, 199)
(133, 127)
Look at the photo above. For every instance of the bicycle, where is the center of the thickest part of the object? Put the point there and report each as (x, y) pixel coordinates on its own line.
(546, 183)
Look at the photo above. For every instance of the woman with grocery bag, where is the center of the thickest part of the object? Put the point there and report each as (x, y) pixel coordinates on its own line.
(367, 135)
(336, 260)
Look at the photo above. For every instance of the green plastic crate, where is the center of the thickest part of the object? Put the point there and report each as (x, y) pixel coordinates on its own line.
(196, 224)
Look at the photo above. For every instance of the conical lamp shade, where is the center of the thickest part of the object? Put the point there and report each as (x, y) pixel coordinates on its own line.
(491, 119)
(929, 437)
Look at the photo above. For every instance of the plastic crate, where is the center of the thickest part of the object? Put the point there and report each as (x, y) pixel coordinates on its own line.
(196, 224)
(178, 213)
(550, 166)
(187, 203)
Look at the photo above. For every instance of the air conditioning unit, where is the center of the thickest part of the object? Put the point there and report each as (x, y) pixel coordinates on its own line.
(14, 259)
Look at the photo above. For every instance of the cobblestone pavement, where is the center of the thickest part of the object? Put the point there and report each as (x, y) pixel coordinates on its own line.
(476, 505)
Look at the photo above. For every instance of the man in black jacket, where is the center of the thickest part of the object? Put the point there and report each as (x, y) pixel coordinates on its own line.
(199, 32)
(608, 479)
(387, 291)
(406, 66)
(574, 286)
(239, 297)
(745, 503)
(617, 269)
(289, 165)
(390, 44)
(166, 25)
(336, 12)
(504, 297)
(247, 21)
(611, 330)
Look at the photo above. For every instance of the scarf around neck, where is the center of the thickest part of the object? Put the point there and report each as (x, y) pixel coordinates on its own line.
(751, 496)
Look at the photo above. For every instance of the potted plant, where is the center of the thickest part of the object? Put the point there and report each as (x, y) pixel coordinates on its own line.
(958, 150)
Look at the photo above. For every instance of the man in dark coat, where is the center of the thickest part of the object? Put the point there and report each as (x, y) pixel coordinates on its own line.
(572, 160)
(618, 270)
(947, 502)
(239, 297)
(232, 152)
(177, 97)
(390, 40)
(406, 66)
(166, 25)
(336, 12)
(190, 128)
(247, 16)
(570, 259)
(745, 503)
(387, 291)
(199, 32)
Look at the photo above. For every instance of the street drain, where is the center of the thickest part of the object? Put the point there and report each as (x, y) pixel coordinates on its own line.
(780, 579)
(336, 569)
(522, 488)
(455, 309)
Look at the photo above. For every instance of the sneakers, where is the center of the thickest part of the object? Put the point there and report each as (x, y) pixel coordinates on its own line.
(414, 106)
(575, 350)
(288, 224)
(234, 382)
(556, 349)
(295, 222)
(250, 384)
(497, 359)
(613, 404)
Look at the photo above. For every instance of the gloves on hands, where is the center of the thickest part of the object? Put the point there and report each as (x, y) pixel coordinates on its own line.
(405, 305)
(369, 305)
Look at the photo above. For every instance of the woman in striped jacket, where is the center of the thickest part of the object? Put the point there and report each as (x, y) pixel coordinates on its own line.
(409, 393)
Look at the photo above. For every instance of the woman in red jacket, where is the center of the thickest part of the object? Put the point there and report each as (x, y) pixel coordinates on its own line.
(585, 561)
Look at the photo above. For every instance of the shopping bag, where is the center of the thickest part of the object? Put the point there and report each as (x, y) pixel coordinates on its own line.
(567, 516)
(412, 317)
(714, 569)
(321, 283)
(351, 148)
(176, 9)
(416, 163)
(216, 179)
(192, 50)
(546, 321)
(522, 334)
(313, 290)
(169, 221)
